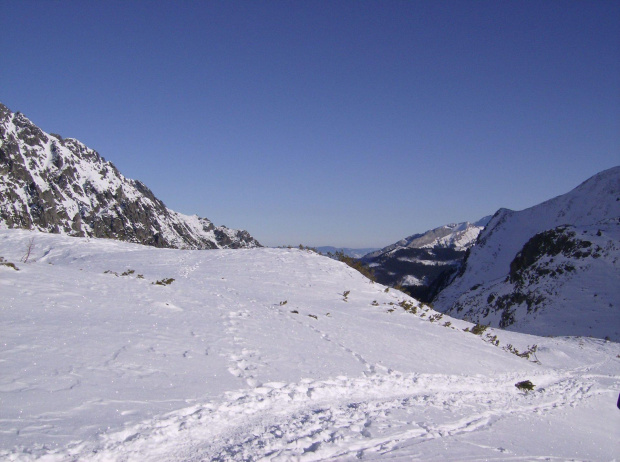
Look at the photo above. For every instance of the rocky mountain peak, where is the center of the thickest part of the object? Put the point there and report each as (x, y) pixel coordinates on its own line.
(59, 185)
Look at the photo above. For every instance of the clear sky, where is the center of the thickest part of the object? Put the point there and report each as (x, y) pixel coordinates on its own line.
(346, 123)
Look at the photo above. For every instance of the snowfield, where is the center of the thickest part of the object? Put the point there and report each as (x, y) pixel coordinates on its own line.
(271, 354)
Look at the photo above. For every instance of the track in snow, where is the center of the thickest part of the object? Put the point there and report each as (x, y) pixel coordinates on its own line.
(344, 418)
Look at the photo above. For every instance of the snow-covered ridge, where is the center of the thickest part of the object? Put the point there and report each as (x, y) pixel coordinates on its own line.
(423, 263)
(564, 293)
(59, 185)
(258, 354)
(458, 236)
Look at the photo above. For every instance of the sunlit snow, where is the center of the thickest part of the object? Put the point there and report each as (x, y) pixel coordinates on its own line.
(271, 354)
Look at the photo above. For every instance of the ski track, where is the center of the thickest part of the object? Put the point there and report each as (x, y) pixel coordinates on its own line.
(344, 418)
(370, 368)
(244, 361)
(187, 269)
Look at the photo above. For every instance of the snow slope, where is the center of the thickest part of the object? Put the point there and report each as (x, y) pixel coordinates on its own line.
(271, 354)
(552, 269)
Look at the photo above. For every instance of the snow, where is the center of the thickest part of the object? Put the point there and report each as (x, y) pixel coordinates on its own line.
(258, 354)
(461, 239)
(428, 262)
(410, 280)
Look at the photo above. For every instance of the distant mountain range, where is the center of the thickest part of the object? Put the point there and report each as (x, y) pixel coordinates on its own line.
(423, 264)
(552, 269)
(349, 252)
(59, 185)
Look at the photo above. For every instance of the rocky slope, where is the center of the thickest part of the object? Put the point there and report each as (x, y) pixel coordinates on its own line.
(552, 269)
(59, 185)
(423, 263)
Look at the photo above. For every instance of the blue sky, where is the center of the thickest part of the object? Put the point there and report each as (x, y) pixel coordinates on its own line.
(342, 123)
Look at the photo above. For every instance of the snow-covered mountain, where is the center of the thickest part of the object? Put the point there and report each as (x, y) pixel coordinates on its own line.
(552, 269)
(59, 185)
(114, 351)
(424, 263)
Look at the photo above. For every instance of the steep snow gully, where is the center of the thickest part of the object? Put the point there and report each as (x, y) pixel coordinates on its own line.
(271, 354)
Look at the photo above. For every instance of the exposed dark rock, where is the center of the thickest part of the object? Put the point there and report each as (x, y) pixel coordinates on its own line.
(550, 243)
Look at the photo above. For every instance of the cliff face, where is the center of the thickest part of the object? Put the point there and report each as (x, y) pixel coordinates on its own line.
(59, 185)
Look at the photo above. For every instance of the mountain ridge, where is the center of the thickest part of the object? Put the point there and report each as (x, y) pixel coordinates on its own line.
(423, 263)
(551, 269)
(59, 185)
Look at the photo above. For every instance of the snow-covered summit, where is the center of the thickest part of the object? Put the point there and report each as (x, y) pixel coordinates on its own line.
(459, 236)
(527, 272)
(59, 185)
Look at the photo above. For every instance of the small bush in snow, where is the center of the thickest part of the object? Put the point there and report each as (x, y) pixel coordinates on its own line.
(526, 385)
(353, 263)
(129, 272)
(478, 329)
(282, 303)
(164, 282)
(308, 249)
(435, 317)
(531, 351)
(408, 306)
(29, 249)
(3, 262)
